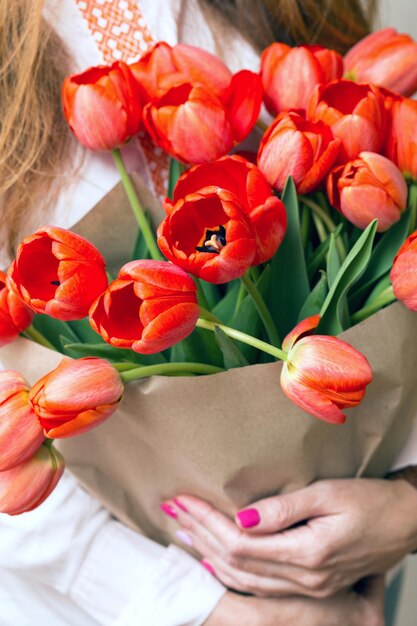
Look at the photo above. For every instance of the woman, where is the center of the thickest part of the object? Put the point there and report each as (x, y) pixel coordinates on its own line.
(87, 553)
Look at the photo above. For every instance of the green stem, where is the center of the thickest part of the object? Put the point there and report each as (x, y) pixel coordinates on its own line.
(384, 298)
(240, 297)
(412, 203)
(126, 366)
(244, 338)
(328, 222)
(48, 443)
(261, 125)
(262, 309)
(136, 206)
(321, 230)
(167, 369)
(34, 334)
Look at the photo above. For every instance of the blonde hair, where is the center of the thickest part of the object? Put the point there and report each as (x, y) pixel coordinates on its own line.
(34, 138)
(35, 142)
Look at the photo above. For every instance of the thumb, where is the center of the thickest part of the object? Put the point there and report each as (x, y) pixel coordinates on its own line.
(280, 512)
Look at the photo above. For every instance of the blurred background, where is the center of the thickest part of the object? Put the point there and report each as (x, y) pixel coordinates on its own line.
(402, 15)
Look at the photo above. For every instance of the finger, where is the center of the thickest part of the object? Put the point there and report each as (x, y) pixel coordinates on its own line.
(281, 512)
(297, 546)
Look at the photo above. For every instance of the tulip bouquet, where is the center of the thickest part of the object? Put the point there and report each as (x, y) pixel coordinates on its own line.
(262, 256)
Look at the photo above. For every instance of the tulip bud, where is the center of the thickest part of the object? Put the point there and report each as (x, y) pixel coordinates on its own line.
(20, 433)
(323, 374)
(76, 396)
(150, 307)
(385, 58)
(102, 106)
(404, 273)
(26, 486)
(294, 146)
(289, 74)
(355, 113)
(58, 273)
(15, 316)
(370, 187)
(401, 143)
(246, 182)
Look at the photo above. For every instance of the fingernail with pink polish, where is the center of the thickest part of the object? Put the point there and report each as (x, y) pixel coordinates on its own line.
(180, 505)
(208, 567)
(249, 518)
(182, 536)
(169, 510)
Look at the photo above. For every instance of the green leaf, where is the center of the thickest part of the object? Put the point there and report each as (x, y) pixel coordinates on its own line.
(176, 168)
(332, 261)
(140, 249)
(225, 308)
(232, 356)
(354, 265)
(381, 259)
(381, 285)
(84, 332)
(247, 317)
(315, 300)
(52, 329)
(318, 256)
(200, 344)
(105, 351)
(211, 293)
(288, 269)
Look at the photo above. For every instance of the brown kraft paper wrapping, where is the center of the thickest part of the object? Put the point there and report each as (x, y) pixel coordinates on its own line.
(231, 437)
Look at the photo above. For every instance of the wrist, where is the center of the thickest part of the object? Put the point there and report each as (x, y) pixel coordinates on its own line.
(404, 485)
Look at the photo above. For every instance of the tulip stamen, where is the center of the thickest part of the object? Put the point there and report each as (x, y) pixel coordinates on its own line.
(215, 240)
(55, 282)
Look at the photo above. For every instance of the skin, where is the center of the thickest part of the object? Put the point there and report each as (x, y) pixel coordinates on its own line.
(350, 529)
(362, 607)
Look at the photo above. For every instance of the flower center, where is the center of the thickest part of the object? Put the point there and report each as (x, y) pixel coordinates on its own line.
(214, 240)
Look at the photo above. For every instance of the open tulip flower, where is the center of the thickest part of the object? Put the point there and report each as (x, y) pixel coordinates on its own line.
(404, 273)
(289, 74)
(103, 106)
(165, 66)
(243, 179)
(369, 187)
(20, 433)
(209, 234)
(294, 146)
(401, 143)
(27, 485)
(385, 58)
(58, 273)
(323, 374)
(355, 113)
(15, 316)
(76, 396)
(151, 306)
(196, 125)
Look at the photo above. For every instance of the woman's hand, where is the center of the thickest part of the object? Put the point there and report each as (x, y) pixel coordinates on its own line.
(312, 542)
(364, 607)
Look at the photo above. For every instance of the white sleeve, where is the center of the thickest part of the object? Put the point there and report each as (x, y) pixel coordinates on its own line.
(72, 544)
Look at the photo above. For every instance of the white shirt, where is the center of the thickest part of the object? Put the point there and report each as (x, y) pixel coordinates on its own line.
(68, 563)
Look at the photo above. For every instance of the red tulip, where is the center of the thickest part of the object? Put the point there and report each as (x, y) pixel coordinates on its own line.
(385, 58)
(401, 144)
(20, 432)
(404, 273)
(289, 75)
(26, 486)
(15, 316)
(76, 396)
(294, 146)
(166, 66)
(355, 113)
(243, 179)
(58, 273)
(208, 234)
(196, 125)
(323, 374)
(369, 187)
(103, 106)
(150, 307)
